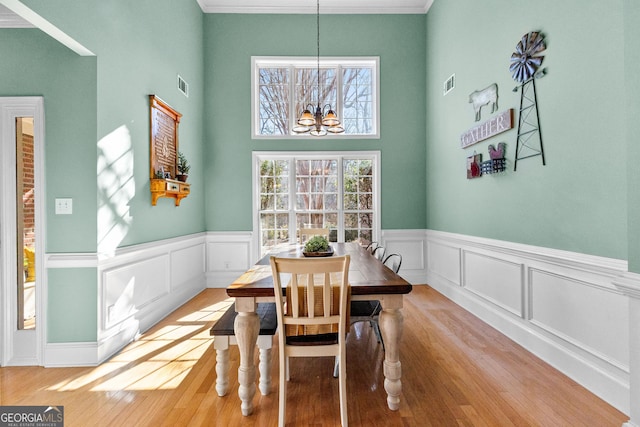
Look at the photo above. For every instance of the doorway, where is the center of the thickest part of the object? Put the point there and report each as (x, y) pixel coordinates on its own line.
(21, 230)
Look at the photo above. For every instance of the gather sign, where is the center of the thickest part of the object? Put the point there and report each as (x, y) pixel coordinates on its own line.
(498, 124)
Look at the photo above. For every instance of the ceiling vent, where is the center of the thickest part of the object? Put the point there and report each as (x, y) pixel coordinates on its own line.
(183, 86)
(449, 84)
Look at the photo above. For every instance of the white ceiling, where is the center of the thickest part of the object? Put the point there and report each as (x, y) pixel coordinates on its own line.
(9, 19)
(309, 6)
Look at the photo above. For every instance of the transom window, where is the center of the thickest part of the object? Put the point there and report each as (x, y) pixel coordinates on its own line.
(283, 87)
(329, 190)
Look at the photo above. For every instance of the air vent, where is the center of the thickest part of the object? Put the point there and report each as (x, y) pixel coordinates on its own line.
(183, 86)
(449, 84)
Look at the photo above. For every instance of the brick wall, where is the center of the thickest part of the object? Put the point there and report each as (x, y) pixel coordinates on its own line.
(27, 191)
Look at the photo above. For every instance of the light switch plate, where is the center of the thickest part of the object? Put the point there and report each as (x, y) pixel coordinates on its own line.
(64, 206)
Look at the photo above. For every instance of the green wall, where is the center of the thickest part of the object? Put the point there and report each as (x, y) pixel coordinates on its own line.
(231, 40)
(632, 107)
(578, 201)
(34, 64)
(72, 309)
(140, 47)
(97, 132)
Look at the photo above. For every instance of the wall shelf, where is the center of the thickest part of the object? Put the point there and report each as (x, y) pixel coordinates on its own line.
(169, 188)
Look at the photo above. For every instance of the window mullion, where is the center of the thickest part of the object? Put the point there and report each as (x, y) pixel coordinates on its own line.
(292, 201)
(340, 199)
(292, 99)
(339, 99)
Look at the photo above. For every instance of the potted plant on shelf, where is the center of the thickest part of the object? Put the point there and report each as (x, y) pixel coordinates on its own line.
(183, 168)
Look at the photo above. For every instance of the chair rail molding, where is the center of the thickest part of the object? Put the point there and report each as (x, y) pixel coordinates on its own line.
(523, 291)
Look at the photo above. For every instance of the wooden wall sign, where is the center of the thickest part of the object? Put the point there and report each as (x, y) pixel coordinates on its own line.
(164, 138)
(164, 153)
(494, 126)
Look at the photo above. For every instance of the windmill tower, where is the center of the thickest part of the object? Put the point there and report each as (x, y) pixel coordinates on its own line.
(525, 62)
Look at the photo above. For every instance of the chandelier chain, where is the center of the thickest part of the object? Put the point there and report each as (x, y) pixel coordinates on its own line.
(318, 46)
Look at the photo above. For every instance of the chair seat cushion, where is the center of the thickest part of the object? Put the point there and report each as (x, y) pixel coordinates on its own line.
(319, 339)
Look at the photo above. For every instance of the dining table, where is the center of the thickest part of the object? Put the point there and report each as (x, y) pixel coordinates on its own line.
(369, 278)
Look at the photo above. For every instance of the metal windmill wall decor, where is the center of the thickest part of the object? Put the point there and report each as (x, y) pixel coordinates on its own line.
(525, 69)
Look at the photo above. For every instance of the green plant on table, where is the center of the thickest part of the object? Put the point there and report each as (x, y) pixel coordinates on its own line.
(317, 244)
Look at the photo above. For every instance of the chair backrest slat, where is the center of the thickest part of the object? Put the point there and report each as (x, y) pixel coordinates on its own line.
(310, 232)
(325, 282)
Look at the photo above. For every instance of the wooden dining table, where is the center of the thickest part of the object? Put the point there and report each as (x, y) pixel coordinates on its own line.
(369, 278)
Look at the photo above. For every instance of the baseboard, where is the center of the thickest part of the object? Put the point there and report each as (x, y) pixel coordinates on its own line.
(59, 355)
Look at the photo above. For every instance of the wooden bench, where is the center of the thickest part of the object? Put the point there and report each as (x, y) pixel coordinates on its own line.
(224, 336)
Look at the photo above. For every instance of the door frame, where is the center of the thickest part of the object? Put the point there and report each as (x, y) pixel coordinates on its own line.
(10, 108)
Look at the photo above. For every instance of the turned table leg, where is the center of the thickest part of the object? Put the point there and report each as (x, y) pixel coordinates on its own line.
(391, 329)
(246, 328)
(221, 344)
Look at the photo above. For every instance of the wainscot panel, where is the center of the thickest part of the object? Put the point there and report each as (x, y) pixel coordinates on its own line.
(443, 260)
(496, 280)
(228, 256)
(410, 244)
(561, 306)
(137, 287)
(140, 285)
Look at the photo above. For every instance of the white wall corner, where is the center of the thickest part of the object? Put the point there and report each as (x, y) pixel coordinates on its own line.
(412, 246)
(629, 284)
(229, 254)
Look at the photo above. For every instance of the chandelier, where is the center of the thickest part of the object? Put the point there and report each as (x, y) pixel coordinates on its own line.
(324, 119)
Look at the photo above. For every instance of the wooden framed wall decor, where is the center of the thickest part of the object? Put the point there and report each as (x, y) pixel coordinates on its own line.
(164, 152)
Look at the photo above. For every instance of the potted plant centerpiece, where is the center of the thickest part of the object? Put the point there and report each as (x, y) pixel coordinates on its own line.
(183, 168)
(317, 246)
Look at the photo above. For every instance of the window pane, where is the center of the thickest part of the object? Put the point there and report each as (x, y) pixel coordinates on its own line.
(273, 90)
(358, 198)
(298, 85)
(317, 198)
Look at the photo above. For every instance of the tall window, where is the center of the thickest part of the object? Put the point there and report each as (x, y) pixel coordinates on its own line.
(283, 87)
(338, 191)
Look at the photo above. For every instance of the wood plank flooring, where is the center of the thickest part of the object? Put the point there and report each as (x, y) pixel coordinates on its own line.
(456, 371)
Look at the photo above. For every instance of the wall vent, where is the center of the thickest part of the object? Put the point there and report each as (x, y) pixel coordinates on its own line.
(449, 84)
(183, 86)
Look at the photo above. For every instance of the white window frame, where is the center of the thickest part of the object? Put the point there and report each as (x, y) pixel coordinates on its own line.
(312, 62)
(291, 156)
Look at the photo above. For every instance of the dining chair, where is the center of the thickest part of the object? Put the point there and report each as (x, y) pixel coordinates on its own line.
(310, 232)
(313, 322)
(369, 311)
(378, 252)
(393, 261)
(371, 247)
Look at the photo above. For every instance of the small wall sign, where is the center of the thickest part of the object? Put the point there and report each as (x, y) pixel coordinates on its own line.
(494, 126)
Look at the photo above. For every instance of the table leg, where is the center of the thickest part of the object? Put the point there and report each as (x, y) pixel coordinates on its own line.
(246, 328)
(391, 329)
(221, 344)
(265, 343)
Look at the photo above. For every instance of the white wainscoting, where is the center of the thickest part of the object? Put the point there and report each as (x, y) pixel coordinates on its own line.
(137, 287)
(562, 306)
(228, 256)
(411, 245)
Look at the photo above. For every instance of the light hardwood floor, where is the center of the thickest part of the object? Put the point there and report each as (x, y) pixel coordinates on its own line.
(456, 371)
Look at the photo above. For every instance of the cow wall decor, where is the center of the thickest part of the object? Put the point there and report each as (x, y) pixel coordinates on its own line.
(480, 98)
